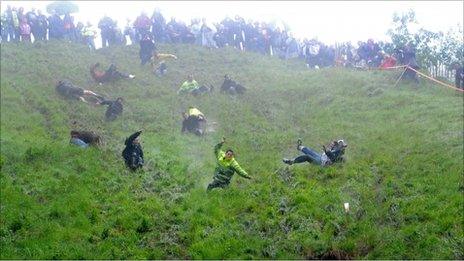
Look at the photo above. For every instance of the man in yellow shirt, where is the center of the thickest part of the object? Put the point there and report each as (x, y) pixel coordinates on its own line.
(194, 121)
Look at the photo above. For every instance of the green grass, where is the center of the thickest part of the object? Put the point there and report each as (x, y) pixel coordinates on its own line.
(403, 177)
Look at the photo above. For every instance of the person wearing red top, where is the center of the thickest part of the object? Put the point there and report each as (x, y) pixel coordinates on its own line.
(388, 61)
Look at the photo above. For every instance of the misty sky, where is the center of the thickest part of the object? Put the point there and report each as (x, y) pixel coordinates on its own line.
(329, 21)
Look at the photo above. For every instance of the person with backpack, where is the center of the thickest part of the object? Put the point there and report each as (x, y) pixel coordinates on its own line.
(133, 153)
(329, 155)
(226, 167)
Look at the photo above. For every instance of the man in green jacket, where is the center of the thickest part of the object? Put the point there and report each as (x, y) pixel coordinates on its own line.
(191, 86)
(226, 167)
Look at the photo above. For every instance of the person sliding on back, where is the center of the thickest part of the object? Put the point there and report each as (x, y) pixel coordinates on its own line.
(84, 138)
(112, 74)
(329, 156)
(191, 86)
(68, 90)
(133, 153)
(194, 121)
(225, 168)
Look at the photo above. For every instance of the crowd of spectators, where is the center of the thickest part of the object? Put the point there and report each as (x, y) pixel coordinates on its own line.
(265, 38)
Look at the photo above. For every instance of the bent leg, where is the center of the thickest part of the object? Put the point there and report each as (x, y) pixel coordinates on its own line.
(315, 157)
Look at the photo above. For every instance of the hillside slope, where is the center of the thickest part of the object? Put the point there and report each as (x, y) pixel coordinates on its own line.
(403, 175)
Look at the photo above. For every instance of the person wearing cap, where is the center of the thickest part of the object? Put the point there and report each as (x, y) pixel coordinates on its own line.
(194, 121)
(133, 153)
(226, 167)
(329, 156)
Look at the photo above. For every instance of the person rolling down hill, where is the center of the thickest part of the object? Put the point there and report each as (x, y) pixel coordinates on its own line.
(191, 86)
(147, 46)
(133, 153)
(158, 62)
(84, 138)
(231, 87)
(329, 156)
(225, 168)
(112, 74)
(194, 121)
(68, 90)
(114, 108)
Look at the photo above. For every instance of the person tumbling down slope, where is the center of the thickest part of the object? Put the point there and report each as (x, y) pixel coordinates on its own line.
(112, 74)
(194, 121)
(68, 90)
(133, 153)
(191, 86)
(329, 156)
(225, 168)
(114, 108)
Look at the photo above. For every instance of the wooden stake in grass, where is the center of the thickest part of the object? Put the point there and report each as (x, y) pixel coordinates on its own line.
(401, 76)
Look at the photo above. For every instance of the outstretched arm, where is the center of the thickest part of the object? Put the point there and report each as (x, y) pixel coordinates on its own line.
(239, 170)
(133, 137)
(218, 147)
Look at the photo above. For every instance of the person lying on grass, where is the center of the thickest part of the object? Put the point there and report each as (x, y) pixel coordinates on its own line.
(114, 108)
(84, 138)
(226, 167)
(133, 153)
(194, 121)
(111, 74)
(68, 90)
(158, 62)
(329, 156)
(231, 87)
(192, 87)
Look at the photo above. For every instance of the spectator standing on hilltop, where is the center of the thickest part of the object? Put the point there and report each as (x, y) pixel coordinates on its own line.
(130, 31)
(142, 25)
(32, 21)
(158, 26)
(25, 30)
(89, 33)
(56, 26)
(106, 26)
(42, 26)
(459, 75)
(147, 47)
(69, 27)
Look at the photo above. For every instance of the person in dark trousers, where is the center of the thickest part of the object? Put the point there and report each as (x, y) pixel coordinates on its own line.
(459, 75)
(231, 87)
(133, 153)
(147, 46)
(68, 90)
(226, 167)
(87, 137)
(114, 108)
(194, 121)
(111, 74)
(329, 156)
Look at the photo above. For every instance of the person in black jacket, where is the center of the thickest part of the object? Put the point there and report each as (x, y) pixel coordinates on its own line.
(329, 156)
(133, 153)
(459, 75)
(147, 46)
(114, 108)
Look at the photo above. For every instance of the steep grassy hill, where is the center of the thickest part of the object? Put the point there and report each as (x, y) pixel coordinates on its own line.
(403, 177)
